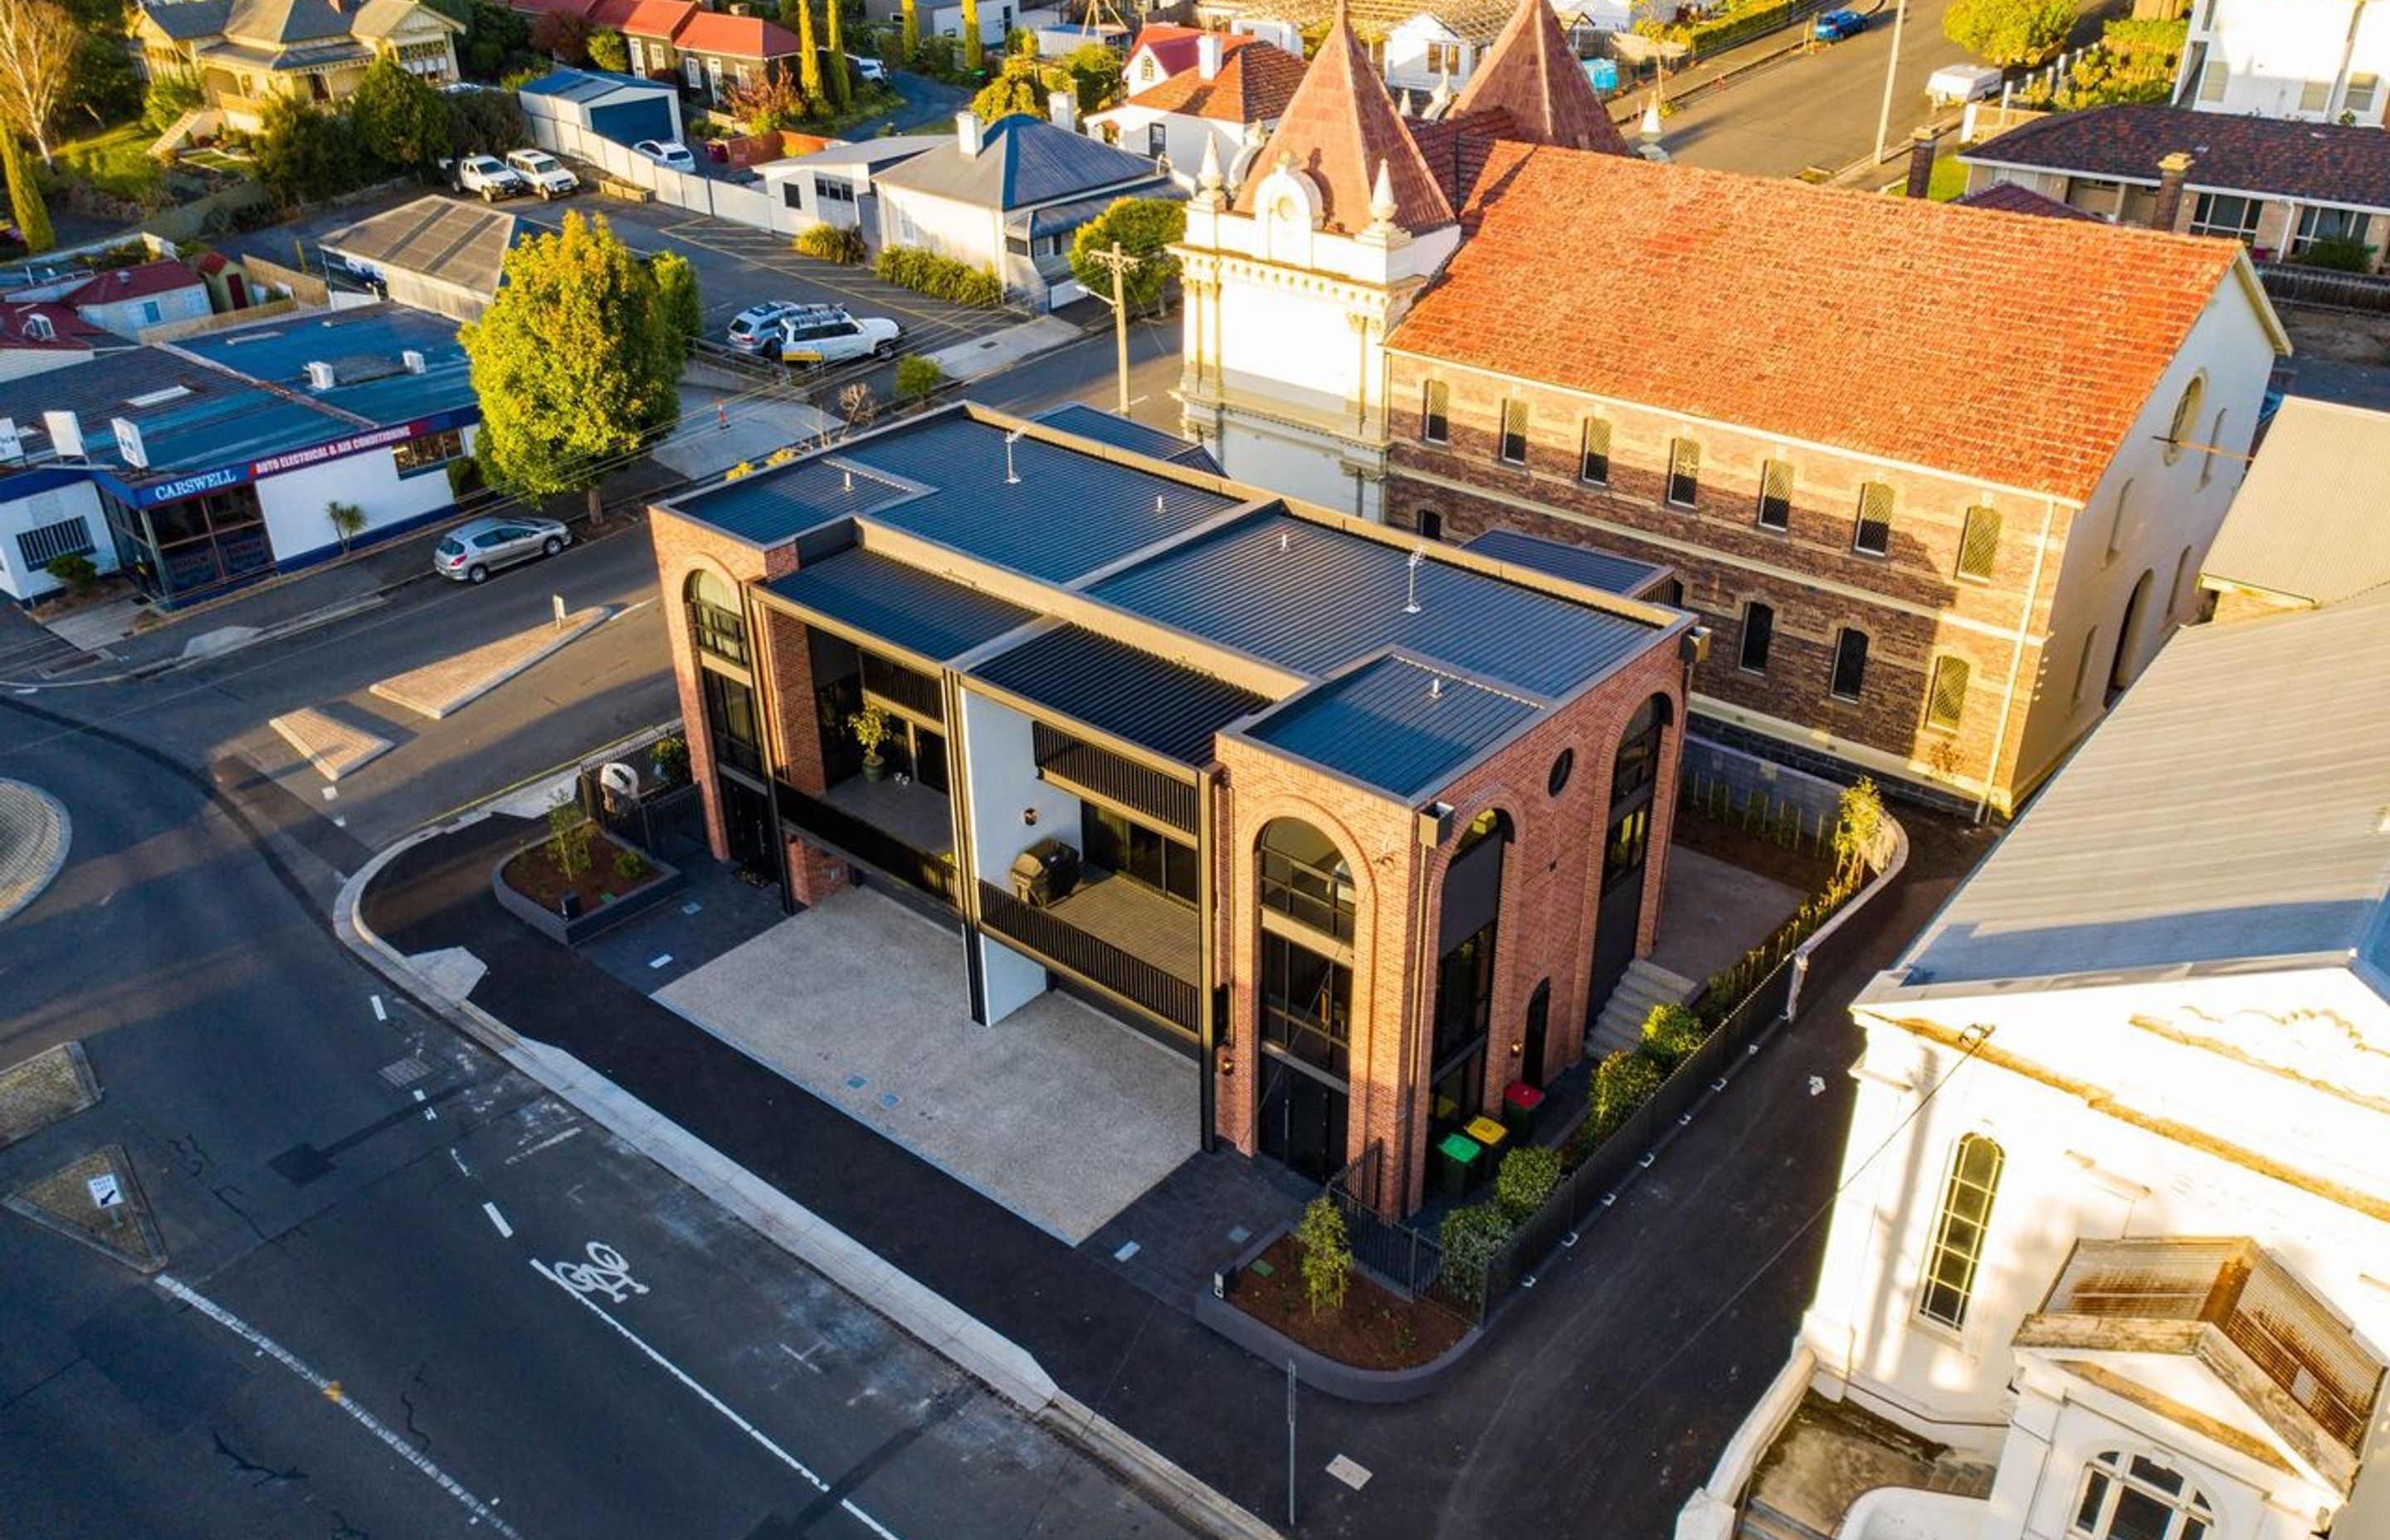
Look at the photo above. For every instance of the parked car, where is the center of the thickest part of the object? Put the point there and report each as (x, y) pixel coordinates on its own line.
(1962, 82)
(474, 550)
(666, 152)
(1834, 26)
(867, 69)
(548, 176)
(487, 175)
(826, 334)
(754, 327)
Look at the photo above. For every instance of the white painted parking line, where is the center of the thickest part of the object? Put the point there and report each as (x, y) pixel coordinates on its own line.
(662, 959)
(505, 1231)
(381, 1012)
(483, 1512)
(1350, 1471)
(1126, 1252)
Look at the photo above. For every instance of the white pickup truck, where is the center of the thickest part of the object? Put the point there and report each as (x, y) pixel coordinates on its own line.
(487, 175)
(543, 172)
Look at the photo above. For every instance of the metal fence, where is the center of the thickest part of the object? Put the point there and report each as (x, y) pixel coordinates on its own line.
(1399, 1254)
(2324, 288)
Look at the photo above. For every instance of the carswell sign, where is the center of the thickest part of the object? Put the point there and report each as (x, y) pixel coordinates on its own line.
(155, 493)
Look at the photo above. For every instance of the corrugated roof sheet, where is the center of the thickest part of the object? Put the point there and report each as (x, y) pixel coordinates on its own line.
(1058, 218)
(1312, 599)
(774, 504)
(1615, 574)
(366, 346)
(1091, 422)
(464, 244)
(590, 85)
(931, 615)
(1396, 722)
(1021, 161)
(211, 420)
(2229, 809)
(1167, 706)
(2312, 521)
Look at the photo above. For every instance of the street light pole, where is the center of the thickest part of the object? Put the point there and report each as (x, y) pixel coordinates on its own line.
(1891, 68)
(1119, 262)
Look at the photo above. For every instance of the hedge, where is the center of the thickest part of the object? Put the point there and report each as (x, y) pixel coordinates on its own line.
(940, 277)
(1471, 1238)
(832, 243)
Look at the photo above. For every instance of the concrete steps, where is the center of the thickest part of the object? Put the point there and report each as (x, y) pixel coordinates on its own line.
(1759, 1522)
(1644, 984)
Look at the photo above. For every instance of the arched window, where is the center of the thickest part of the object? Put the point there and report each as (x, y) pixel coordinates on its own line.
(2186, 418)
(1305, 956)
(716, 623)
(2215, 443)
(2135, 1498)
(1958, 1247)
(1304, 879)
(1633, 768)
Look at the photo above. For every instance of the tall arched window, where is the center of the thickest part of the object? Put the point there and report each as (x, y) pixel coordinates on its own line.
(1305, 951)
(1306, 879)
(1956, 1251)
(2134, 1497)
(715, 622)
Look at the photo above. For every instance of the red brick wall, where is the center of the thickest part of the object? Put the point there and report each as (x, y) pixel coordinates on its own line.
(682, 547)
(1906, 601)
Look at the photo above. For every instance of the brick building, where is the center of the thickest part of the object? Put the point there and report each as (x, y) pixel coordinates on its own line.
(1940, 479)
(1366, 828)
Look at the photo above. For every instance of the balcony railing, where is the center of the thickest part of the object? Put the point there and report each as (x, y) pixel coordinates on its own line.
(1065, 946)
(907, 688)
(1088, 766)
(874, 847)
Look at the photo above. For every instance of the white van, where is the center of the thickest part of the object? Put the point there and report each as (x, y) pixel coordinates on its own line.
(1962, 82)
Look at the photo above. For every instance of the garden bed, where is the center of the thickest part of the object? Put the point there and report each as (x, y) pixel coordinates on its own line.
(529, 886)
(1729, 842)
(1377, 1329)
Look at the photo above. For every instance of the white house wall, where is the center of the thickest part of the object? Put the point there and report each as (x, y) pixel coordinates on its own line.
(128, 317)
(999, 768)
(37, 510)
(293, 503)
(1406, 65)
(2273, 49)
(963, 231)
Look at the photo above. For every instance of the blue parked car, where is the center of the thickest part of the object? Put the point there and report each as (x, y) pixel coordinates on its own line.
(1834, 26)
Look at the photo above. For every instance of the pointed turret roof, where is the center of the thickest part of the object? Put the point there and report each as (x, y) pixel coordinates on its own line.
(1341, 128)
(1534, 74)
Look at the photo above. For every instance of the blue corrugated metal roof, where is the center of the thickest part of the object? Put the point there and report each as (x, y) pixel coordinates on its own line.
(919, 611)
(208, 419)
(366, 347)
(1312, 599)
(1167, 706)
(1395, 722)
(588, 84)
(1090, 422)
(780, 501)
(1595, 569)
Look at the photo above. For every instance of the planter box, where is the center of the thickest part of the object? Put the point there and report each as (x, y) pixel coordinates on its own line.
(1370, 1387)
(667, 880)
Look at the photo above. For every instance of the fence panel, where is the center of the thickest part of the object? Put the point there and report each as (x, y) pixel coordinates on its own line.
(2325, 288)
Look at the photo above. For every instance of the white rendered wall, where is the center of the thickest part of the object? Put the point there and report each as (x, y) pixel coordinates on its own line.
(293, 503)
(1000, 782)
(2273, 49)
(37, 509)
(963, 231)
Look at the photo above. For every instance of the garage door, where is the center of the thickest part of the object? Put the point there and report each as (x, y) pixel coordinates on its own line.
(628, 122)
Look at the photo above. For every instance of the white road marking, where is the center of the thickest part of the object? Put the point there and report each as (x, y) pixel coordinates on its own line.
(505, 1231)
(806, 1357)
(544, 1144)
(714, 1401)
(482, 1513)
(1352, 1472)
(459, 1159)
(662, 959)
(430, 1114)
(381, 1012)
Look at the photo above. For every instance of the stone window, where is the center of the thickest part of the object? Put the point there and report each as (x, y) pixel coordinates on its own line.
(1593, 453)
(1850, 664)
(1946, 697)
(2136, 1498)
(1513, 448)
(2083, 666)
(1956, 1251)
(2215, 443)
(1979, 544)
(1758, 633)
(1684, 472)
(1558, 781)
(1873, 535)
(1435, 412)
(1775, 496)
(2186, 416)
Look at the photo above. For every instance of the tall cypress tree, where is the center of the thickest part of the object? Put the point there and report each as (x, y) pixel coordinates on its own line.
(809, 76)
(25, 196)
(840, 88)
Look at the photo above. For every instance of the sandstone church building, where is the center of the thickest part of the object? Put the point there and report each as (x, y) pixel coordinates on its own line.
(1939, 479)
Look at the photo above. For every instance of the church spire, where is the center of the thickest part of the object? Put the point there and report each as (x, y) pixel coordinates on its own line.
(1340, 132)
(1531, 73)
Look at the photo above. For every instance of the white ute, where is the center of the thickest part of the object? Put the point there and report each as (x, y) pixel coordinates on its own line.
(548, 176)
(487, 175)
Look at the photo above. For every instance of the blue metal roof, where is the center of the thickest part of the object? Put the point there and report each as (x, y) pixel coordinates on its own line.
(916, 610)
(196, 419)
(1396, 722)
(366, 347)
(1312, 599)
(1617, 574)
(588, 84)
(1167, 706)
(1091, 422)
(780, 501)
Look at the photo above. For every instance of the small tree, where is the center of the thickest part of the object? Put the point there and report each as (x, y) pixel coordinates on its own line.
(25, 194)
(858, 406)
(306, 154)
(609, 52)
(916, 377)
(561, 35)
(76, 571)
(1021, 87)
(1471, 1238)
(765, 104)
(400, 116)
(799, 14)
(347, 520)
(1525, 1181)
(1326, 1254)
(910, 34)
(1096, 71)
(1142, 228)
(2010, 31)
(1671, 1032)
(974, 49)
(677, 293)
(1624, 1081)
(1857, 830)
(841, 86)
(569, 834)
(39, 41)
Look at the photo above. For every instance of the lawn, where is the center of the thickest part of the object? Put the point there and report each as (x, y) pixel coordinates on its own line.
(115, 161)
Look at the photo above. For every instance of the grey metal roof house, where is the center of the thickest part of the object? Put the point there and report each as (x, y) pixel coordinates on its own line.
(435, 254)
(2311, 522)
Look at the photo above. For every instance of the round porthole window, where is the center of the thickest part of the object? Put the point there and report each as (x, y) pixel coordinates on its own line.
(1561, 768)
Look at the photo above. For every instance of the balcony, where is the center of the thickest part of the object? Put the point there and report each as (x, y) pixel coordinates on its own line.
(902, 829)
(1118, 935)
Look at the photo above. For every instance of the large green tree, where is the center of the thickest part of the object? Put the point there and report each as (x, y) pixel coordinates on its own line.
(39, 44)
(576, 362)
(400, 117)
(2010, 31)
(1096, 71)
(306, 154)
(1143, 229)
(1022, 86)
(25, 194)
(609, 52)
(676, 291)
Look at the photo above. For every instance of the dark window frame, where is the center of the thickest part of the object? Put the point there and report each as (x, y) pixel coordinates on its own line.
(1876, 505)
(1758, 634)
(1684, 489)
(1510, 438)
(1593, 452)
(1850, 662)
(1435, 412)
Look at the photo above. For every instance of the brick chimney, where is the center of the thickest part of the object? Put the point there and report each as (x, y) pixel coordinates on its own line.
(1207, 56)
(2173, 170)
(969, 133)
(1920, 163)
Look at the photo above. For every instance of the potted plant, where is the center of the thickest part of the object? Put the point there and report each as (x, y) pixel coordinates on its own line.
(871, 728)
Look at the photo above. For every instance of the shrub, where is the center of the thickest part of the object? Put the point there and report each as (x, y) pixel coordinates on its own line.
(2337, 253)
(1326, 1254)
(347, 520)
(1671, 1032)
(569, 836)
(670, 756)
(76, 571)
(608, 51)
(832, 243)
(630, 866)
(1526, 1179)
(1624, 1081)
(859, 405)
(1859, 828)
(917, 376)
(940, 277)
(1471, 1238)
(464, 477)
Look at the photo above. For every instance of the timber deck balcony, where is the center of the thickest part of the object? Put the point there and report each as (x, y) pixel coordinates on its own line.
(903, 829)
(1121, 936)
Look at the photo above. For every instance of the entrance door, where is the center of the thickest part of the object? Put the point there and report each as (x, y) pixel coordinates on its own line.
(1622, 907)
(747, 825)
(1531, 1045)
(1302, 1121)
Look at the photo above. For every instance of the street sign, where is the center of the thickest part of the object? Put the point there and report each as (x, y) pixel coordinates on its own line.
(105, 1194)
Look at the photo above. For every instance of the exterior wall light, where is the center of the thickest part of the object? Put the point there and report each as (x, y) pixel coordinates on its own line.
(1029, 816)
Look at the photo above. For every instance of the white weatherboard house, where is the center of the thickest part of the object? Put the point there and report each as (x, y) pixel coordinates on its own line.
(2113, 1217)
(2316, 60)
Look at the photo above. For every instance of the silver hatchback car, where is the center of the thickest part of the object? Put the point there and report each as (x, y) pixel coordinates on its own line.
(472, 551)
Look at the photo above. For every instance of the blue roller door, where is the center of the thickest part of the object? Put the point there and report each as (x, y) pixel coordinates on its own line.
(628, 122)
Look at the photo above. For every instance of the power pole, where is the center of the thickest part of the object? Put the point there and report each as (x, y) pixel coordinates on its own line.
(1119, 262)
(1891, 68)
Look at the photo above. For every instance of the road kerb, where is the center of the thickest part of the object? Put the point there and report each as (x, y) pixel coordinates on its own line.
(928, 1318)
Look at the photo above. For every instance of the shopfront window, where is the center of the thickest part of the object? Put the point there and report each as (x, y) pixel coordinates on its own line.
(428, 452)
(180, 549)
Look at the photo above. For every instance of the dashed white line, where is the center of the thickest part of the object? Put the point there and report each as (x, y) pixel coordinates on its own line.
(505, 1231)
(459, 1159)
(483, 1512)
(381, 1012)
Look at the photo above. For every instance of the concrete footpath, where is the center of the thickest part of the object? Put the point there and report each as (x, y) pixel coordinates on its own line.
(1608, 1389)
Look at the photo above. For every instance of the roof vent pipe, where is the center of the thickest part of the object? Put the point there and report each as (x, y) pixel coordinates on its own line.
(1418, 559)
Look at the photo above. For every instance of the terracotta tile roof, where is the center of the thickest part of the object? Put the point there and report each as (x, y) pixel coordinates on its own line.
(1254, 85)
(2003, 348)
(1532, 73)
(1456, 147)
(1338, 129)
(1174, 47)
(611, 13)
(66, 330)
(658, 18)
(2313, 163)
(739, 36)
(163, 277)
(2010, 198)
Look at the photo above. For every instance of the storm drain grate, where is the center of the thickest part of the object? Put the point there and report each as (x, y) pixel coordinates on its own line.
(406, 1071)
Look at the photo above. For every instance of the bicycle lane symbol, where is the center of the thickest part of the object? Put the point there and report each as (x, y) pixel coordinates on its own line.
(605, 1273)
